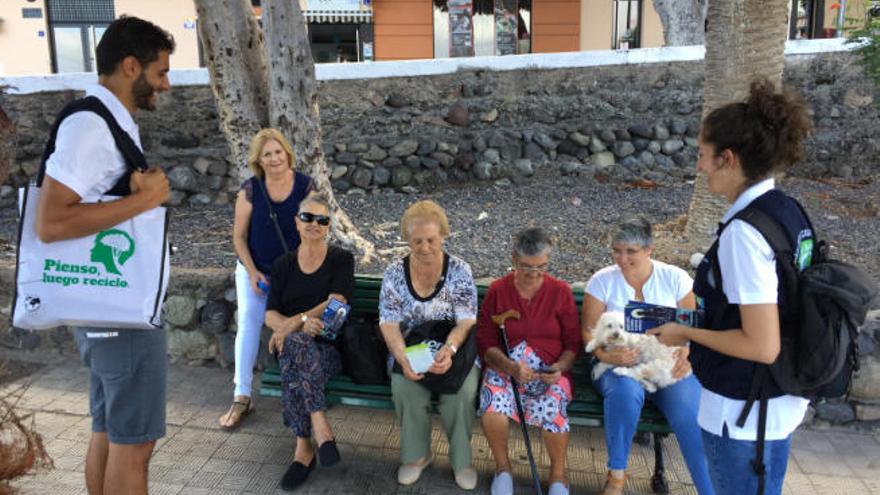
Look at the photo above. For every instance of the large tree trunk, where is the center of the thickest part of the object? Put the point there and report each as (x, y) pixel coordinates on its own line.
(293, 105)
(233, 49)
(745, 39)
(683, 21)
(7, 146)
(251, 95)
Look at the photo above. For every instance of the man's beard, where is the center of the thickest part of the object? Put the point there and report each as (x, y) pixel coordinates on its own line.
(143, 93)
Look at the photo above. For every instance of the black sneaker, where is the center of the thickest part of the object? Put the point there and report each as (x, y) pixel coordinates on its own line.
(296, 475)
(328, 454)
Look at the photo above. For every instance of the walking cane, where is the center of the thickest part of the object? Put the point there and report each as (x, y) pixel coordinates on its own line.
(499, 320)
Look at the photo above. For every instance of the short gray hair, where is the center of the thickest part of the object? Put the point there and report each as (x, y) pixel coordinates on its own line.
(532, 241)
(315, 198)
(635, 230)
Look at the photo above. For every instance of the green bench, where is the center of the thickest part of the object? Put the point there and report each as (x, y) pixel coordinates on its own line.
(585, 410)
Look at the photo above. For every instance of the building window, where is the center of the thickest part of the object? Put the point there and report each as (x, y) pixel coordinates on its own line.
(482, 27)
(806, 20)
(626, 31)
(75, 27)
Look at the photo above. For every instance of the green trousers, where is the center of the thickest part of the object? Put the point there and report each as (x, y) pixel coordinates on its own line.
(412, 402)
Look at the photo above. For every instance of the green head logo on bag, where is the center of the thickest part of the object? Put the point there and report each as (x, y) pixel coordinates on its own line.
(112, 249)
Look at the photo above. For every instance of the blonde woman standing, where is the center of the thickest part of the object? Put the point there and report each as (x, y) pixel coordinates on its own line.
(275, 190)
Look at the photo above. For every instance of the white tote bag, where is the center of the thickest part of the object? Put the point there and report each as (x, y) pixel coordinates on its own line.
(115, 279)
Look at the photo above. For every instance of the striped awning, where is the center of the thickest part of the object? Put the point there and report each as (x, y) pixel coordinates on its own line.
(339, 16)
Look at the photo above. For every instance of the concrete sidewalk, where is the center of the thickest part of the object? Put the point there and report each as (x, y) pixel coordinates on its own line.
(196, 457)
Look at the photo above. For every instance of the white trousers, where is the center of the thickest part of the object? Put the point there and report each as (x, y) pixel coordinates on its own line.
(251, 314)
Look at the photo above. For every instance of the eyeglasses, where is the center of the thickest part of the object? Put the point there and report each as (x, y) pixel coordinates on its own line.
(307, 217)
(531, 269)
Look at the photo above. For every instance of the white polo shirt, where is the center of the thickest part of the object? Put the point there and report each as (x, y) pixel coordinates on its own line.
(667, 285)
(748, 273)
(86, 158)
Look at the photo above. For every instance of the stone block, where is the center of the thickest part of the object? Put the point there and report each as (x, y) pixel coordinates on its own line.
(381, 176)
(640, 129)
(835, 411)
(362, 177)
(866, 383)
(867, 412)
(404, 148)
(214, 317)
(191, 345)
(458, 115)
(603, 159)
(179, 310)
(183, 178)
(523, 166)
(483, 170)
(623, 149)
(401, 176)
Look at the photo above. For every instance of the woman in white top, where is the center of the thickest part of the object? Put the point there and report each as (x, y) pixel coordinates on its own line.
(637, 277)
(741, 145)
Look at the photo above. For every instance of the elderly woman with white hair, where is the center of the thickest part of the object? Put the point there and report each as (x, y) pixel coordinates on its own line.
(635, 276)
(544, 342)
(425, 286)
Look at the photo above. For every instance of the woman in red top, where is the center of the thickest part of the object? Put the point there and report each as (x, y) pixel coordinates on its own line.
(544, 343)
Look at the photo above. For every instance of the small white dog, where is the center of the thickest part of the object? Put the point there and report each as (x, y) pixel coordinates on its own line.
(655, 362)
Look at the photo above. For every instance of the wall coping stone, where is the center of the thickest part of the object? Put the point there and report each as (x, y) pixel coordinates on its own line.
(415, 68)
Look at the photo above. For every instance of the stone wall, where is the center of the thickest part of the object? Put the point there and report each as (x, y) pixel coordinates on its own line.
(199, 315)
(621, 122)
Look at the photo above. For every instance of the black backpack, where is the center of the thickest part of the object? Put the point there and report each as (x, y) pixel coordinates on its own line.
(363, 350)
(824, 306)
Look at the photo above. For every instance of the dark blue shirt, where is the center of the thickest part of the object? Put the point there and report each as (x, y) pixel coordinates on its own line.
(263, 241)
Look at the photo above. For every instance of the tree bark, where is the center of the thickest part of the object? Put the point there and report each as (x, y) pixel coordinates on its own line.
(233, 47)
(293, 106)
(253, 91)
(683, 21)
(7, 146)
(746, 39)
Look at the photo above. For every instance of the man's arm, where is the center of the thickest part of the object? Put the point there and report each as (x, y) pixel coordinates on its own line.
(61, 215)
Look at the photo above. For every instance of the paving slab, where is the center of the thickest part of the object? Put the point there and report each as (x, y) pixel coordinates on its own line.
(197, 457)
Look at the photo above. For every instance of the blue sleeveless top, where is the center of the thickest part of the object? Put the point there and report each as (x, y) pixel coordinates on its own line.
(262, 239)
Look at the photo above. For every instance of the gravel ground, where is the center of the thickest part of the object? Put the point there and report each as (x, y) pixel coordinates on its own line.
(483, 217)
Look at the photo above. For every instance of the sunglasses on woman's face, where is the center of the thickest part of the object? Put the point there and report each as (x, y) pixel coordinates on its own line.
(307, 217)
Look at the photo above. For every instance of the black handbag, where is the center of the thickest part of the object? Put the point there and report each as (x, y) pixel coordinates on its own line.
(363, 351)
(434, 333)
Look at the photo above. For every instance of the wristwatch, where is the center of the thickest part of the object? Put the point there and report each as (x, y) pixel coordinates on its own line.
(452, 347)
(304, 318)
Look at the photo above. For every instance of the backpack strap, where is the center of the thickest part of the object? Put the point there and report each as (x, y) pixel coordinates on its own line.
(133, 156)
(772, 231)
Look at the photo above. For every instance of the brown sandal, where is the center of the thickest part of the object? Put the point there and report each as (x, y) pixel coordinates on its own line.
(243, 409)
(613, 486)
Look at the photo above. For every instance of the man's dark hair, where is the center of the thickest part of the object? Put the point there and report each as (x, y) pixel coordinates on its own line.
(130, 36)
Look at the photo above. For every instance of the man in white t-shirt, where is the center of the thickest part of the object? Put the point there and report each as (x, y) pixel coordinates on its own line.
(127, 367)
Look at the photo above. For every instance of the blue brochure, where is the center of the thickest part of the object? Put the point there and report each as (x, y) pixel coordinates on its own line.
(640, 316)
(334, 316)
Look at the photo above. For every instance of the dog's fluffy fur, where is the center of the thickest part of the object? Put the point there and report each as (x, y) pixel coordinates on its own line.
(655, 362)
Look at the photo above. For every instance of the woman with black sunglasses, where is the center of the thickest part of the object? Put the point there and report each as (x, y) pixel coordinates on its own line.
(303, 282)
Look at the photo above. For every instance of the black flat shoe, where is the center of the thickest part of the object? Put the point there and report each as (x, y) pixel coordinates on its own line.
(328, 454)
(296, 475)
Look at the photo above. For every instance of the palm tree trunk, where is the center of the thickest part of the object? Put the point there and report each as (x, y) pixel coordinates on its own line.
(745, 39)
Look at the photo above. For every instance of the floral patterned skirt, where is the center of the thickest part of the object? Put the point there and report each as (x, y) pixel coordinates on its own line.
(545, 406)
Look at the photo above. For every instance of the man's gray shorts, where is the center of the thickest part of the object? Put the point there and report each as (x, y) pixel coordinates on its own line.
(128, 371)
